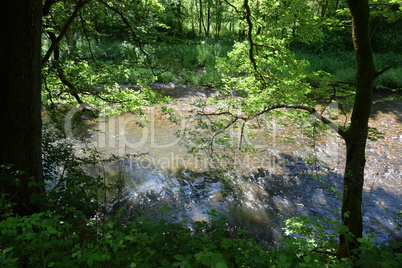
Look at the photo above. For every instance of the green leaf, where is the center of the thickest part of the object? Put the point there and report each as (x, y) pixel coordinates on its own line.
(221, 265)
(307, 259)
(282, 258)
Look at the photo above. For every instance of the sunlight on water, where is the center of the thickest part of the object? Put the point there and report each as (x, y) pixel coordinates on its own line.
(276, 184)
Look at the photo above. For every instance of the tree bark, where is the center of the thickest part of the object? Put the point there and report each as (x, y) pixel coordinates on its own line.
(20, 101)
(356, 135)
(200, 18)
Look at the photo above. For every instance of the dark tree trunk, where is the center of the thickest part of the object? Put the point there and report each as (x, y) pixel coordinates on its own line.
(200, 19)
(20, 101)
(208, 20)
(356, 135)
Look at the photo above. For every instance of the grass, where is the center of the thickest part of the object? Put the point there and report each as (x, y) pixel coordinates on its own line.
(193, 62)
(342, 66)
(190, 63)
(392, 78)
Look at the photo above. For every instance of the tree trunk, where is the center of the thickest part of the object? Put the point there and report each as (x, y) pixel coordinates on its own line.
(356, 135)
(20, 101)
(208, 20)
(200, 19)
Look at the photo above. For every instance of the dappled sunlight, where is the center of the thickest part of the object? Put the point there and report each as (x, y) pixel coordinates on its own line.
(281, 180)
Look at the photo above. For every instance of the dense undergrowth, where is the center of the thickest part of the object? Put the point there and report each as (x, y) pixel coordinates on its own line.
(47, 240)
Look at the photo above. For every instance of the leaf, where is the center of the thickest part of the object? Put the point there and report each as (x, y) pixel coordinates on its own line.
(282, 258)
(307, 259)
(282, 261)
(221, 265)
(7, 250)
(179, 257)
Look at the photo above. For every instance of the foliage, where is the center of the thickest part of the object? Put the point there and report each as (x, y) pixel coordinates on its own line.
(312, 242)
(78, 71)
(71, 191)
(190, 62)
(262, 75)
(222, 125)
(137, 42)
(98, 89)
(46, 240)
(341, 66)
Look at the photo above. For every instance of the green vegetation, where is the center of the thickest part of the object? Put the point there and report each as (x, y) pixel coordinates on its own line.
(341, 66)
(288, 57)
(183, 42)
(48, 239)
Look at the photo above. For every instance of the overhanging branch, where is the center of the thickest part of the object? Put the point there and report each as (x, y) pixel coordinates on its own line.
(56, 42)
(311, 110)
(308, 109)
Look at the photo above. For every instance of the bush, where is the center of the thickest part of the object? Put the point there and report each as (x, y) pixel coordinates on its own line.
(44, 240)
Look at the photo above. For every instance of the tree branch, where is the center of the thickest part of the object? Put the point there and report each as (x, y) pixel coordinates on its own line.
(234, 7)
(88, 41)
(310, 110)
(135, 36)
(250, 34)
(383, 71)
(47, 5)
(56, 42)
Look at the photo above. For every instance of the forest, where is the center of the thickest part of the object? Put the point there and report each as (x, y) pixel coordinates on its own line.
(201, 133)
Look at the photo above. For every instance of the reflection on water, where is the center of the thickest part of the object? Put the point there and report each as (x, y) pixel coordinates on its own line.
(277, 183)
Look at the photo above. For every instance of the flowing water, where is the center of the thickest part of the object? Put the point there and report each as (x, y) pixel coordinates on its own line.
(277, 183)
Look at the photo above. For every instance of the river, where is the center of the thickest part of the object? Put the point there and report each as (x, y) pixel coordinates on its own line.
(276, 182)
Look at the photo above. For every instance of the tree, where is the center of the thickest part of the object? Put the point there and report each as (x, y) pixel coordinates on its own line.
(21, 125)
(356, 135)
(263, 76)
(20, 102)
(86, 76)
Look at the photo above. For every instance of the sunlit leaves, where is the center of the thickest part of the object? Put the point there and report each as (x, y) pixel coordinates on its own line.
(390, 9)
(262, 73)
(280, 78)
(115, 100)
(81, 73)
